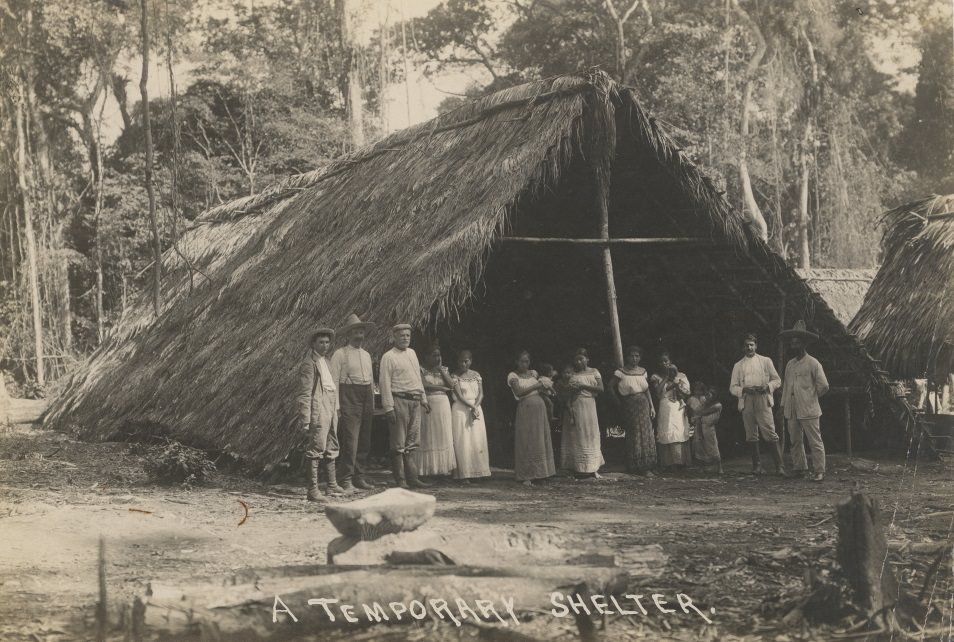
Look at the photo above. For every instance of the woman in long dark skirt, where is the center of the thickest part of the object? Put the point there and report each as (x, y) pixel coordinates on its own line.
(630, 387)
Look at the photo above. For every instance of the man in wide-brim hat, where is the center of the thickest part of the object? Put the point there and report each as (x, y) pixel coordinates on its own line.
(318, 413)
(803, 382)
(352, 371)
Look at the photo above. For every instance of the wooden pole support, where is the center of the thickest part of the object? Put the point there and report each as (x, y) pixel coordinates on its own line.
(848, 424)
(602, 201)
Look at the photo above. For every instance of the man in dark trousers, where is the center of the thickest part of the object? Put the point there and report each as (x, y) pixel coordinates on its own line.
(352, 371)
(318, 413)
(403, 398)
(804, 382)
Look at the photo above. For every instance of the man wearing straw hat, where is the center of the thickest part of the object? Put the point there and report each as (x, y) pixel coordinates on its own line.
(402, 396)
(353, 374)
(318, 414)
(804, 382)
(754, 380)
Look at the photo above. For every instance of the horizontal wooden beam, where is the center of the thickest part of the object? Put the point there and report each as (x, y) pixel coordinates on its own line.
(620, 241)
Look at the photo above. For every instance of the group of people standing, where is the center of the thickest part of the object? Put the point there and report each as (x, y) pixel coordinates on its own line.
(667, 422)
(428, 435)
(436, 425)
(681, 414)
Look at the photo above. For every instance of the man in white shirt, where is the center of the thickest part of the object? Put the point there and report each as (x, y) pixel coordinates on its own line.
(318, 413)
(805, 382)
(402, 396)
(754, 381)
(352, 372)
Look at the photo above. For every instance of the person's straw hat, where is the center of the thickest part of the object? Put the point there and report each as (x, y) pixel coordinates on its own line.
(401, 326)
(798, 330)
(329, 332)
(353, 323)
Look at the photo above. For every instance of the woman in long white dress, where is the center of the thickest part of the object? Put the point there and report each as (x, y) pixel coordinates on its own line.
(470, 432)
(435, 456)
(672, 424)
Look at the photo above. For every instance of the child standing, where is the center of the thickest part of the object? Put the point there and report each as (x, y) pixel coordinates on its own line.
(705, 410)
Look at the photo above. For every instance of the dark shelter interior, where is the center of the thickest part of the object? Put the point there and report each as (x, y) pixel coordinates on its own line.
(681, 287)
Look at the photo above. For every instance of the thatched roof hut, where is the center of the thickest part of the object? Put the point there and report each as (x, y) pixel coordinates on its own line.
(907, 318)
(843, 289)
(484, 228)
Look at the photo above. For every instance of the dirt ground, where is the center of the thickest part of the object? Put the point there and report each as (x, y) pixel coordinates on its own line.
(737, 544)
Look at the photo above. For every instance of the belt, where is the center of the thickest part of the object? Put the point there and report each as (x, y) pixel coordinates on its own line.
(410, 396)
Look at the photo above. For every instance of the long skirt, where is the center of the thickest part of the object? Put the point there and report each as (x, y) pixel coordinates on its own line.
(470, 443)
(675, 454)
(705, 444)
(580, 441)
(533, 449)
(436, 453)
(640, 437)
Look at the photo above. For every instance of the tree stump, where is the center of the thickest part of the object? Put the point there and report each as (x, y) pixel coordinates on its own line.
(862, 553)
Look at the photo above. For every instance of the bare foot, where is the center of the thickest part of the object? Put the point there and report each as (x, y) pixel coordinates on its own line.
(527, 483)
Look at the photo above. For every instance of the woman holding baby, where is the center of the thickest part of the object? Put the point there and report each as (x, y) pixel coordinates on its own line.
(580, 441)
(533, 449)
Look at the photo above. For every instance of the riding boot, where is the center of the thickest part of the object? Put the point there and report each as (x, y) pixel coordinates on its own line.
(756, 458)
(397, 467)
(360, 483)
(333, 487)
(314, 495)
(410, 467)
(776, 451)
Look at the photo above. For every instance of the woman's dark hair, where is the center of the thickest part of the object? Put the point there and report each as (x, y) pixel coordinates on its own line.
(581, 352)
(631, 349)
(664, 353)
(519, 353)
(461, 353)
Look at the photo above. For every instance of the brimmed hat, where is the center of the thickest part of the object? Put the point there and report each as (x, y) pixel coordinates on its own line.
(353, 323)
(323, 331)
(401, 326)
(798, 330)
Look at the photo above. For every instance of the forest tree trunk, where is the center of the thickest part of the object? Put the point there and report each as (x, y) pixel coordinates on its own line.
(756, 219)
(354, 99)
(23, 169)
(804, 250)
(150, 189)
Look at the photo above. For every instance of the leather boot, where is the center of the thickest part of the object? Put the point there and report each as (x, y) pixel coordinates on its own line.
(777, 457)
(397, 467)
(756, 458)
(410, 467)
(314, 495)
(333, 487)
(361, 484)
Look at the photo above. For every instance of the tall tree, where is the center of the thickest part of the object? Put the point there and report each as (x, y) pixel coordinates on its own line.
(147, 141)
(928, 146)
(352, 73)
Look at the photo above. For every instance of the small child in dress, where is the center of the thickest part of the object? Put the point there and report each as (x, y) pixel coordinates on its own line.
(566, 394)
(545, 376)
(704, 413)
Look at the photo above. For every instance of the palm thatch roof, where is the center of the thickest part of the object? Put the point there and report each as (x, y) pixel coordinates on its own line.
(399, 232)
(843, 289)
(907, 318)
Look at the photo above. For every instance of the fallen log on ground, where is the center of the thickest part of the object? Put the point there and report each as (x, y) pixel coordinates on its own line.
(282, 603)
